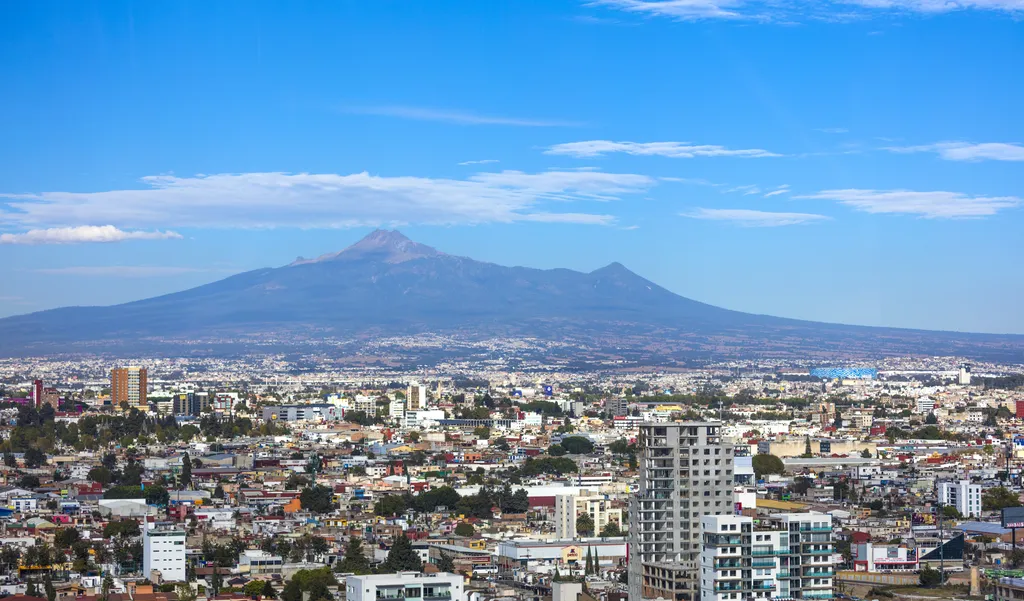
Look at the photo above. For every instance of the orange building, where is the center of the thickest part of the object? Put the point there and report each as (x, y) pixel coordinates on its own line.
(128, 385)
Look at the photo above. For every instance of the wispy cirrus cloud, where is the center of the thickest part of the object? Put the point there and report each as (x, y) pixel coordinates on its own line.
(966, 151)
(480, 162)
(125, 271)
(745, 190)
(674, 150)
(752, 218)
(325, 200)
(783, 189)
(457, 117)
(796, 10)
(83, 234)
(833, 130)
(930, 205)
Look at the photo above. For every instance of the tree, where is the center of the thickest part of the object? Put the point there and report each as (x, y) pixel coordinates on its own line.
(445, 563)
(65, 538)
(318, 499)
(101, 474)
(556, 450)
(1016, 558)
(767, 464)
(931, 419)
(577, 445)
(611, 530)
(390, 506)
(51, 593)
(482, 432)
(951, 512)
(929, 577)
(866, 454)
(355, 560)
(32, 589)
(402, 557)
(185, 592)
(465, 529)
(29, 481)
(34, 458)
(801, 485)
(996, 498)
(267, 592)
(585, 525)
(807, 448)
(255, 587)
(186, 471)
(589, 567)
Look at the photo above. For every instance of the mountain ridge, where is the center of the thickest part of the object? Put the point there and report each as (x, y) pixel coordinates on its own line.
(387, 285)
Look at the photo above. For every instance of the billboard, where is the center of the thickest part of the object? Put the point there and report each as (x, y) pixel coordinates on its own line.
(826, 446)
(548, 390)
(1013, 517)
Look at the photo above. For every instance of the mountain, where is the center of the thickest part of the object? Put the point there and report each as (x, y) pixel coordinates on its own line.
(387, 285)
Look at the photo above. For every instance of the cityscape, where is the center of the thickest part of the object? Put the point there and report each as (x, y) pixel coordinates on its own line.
(557, 300)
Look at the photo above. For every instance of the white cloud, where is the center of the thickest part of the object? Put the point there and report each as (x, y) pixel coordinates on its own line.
(746, 190)
(685, 10)
(480, 162)
(931, 205)
(751, 218)
(833, 130)
(783, 189)
(453, 116)
(675, 150)
(788, 12)
(82, 234)
(965, 151)
(122, 271)
(325, 200)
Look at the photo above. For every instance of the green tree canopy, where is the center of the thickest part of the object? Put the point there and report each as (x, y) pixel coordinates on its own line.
(355, 560)
(318, 499)
(402, 557)
(577, 445)
(767, 464)
(585, 525)
(996, 498)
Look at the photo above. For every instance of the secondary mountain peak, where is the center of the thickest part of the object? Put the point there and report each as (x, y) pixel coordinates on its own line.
(386, 246)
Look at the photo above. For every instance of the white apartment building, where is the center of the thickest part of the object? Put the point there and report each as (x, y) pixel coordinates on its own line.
(786, 556)
(405, 586)
(568, 508)
(963, 495)
(925, 405)
(163, 550)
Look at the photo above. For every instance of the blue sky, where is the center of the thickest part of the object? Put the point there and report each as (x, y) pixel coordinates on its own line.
(853, 161)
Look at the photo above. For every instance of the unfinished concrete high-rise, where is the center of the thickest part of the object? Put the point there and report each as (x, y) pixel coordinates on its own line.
(686, 472)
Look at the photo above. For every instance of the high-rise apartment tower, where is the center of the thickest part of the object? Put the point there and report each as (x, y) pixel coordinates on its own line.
(128, 384)
(686, 472)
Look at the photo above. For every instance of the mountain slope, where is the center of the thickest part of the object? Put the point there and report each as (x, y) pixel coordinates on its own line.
(389, 285)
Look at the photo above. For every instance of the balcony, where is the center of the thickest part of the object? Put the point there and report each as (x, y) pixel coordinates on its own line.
(437, 597)
(765, 586)
(762, 563)
(821, 595)
(730, 587)
(782, 574)
(770, 552)
(820, 574)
